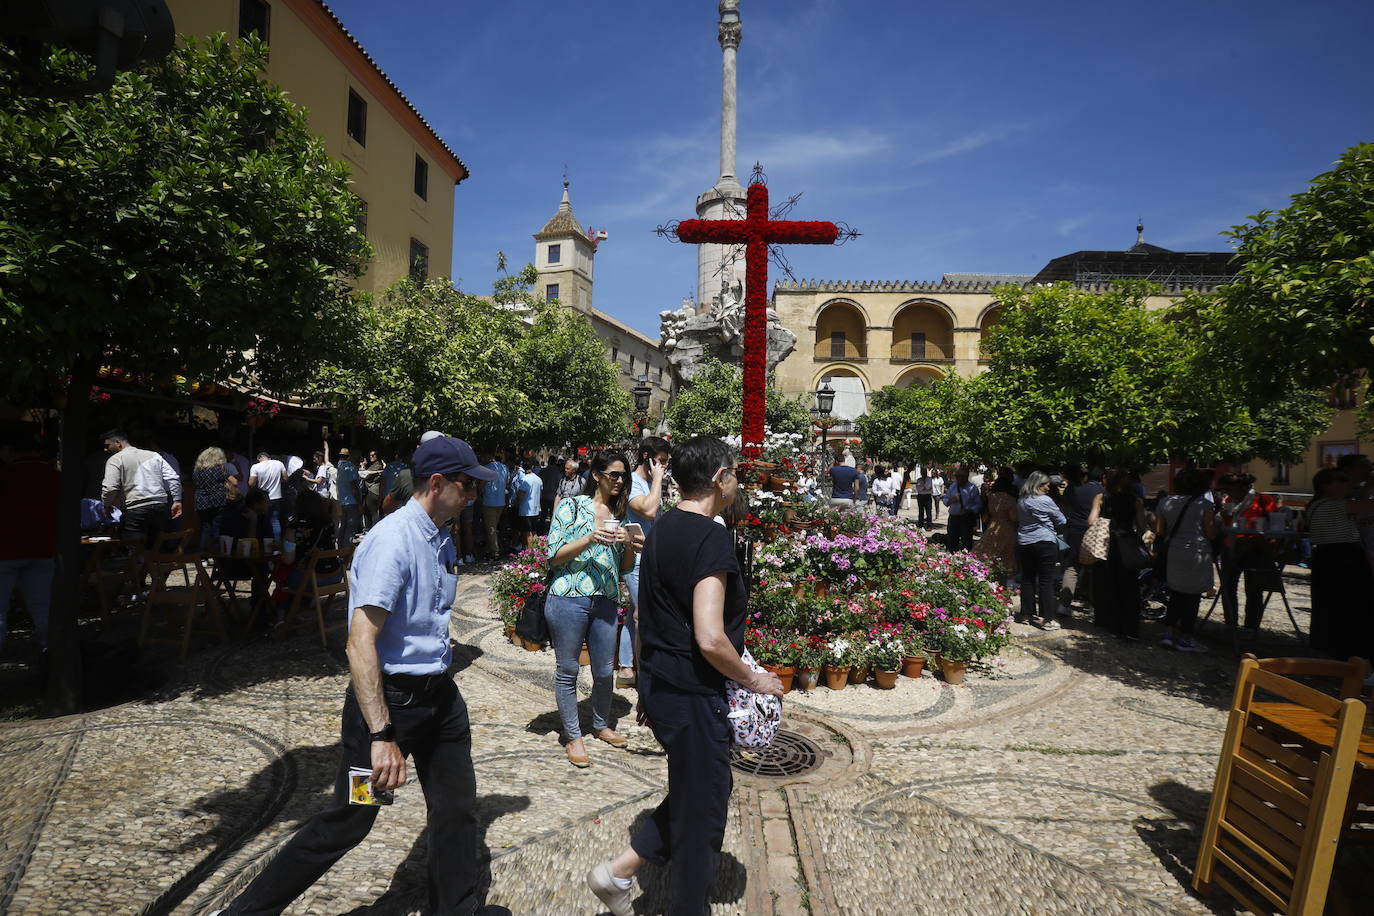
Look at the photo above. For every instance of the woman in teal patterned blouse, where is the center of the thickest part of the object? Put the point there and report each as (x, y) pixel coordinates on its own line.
(588, 551)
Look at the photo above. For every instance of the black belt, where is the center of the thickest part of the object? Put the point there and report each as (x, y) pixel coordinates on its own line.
(416, 683)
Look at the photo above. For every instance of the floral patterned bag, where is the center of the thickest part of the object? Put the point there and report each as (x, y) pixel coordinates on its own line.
(754, 717)
(1095, 541)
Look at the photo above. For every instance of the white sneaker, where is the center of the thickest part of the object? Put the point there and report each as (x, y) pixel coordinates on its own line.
(616, 898)
(470, 560)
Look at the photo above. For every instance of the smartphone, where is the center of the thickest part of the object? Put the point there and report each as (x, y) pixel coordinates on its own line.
(633, 529)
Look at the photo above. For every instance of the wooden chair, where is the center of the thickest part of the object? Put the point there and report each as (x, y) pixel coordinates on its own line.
(320, 593)
(181, 599)
(1279, 802)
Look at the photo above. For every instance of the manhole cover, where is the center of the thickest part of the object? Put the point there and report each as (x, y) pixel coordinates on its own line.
(789, 755)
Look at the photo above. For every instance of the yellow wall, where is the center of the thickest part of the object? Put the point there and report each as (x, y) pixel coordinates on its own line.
(317, 76)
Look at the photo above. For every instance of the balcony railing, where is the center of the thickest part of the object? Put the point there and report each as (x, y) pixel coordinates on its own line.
(931, 352)
(828, 350)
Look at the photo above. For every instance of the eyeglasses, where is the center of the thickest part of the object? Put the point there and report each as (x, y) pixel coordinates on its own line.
(730, 471)
(463, 480)
(617, 475)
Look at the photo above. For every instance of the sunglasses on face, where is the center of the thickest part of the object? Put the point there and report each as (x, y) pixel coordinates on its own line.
(616, 475)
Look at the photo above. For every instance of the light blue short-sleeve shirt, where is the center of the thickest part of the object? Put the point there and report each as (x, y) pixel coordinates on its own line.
(401, 567)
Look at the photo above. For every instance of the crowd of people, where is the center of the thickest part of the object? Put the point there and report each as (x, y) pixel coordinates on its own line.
(1066, 536)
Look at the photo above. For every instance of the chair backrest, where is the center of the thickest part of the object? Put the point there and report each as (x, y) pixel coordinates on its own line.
(1350, 673)
(1278, 799)
(344, 555)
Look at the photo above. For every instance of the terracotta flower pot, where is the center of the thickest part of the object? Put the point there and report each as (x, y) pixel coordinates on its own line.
(822, 589)
(808, 678)
(885, 680)
(858, 674)
(584, 658)
(913, 665)
(531, 646)
(953, 671)
(799, 591)
(785, 673)
(836, 676)
(510, 635)
(770, 532)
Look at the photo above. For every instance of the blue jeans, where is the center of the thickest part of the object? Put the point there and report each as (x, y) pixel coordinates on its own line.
(573, 621)
(34, 578)
(625, 654)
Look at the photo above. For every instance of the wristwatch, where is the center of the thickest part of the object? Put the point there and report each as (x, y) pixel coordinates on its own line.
(388, 733)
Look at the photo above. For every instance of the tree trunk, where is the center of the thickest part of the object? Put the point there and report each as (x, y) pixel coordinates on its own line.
(64, 640)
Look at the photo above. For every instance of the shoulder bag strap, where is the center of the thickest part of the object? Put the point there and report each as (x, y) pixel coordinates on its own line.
(1186, 506)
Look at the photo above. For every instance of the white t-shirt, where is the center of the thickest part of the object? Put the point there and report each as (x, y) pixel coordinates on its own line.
(270, 474)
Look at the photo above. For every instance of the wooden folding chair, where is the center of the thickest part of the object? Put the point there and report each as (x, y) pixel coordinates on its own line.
(320, 593)
(196, 593)
(1279, 802)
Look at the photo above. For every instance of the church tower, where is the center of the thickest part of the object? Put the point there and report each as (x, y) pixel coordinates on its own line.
(564, 257)
(722, 265)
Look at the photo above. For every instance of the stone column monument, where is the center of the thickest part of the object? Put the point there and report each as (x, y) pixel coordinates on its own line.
(726, 200)
(712, 327)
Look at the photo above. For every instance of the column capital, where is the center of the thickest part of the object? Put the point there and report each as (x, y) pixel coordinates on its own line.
(730, 33)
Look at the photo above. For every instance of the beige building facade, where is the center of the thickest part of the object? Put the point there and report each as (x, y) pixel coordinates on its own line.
(402, 170)
(863, 336)
(565, 258)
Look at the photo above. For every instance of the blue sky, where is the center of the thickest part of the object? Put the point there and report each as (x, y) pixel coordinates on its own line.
(982, 136)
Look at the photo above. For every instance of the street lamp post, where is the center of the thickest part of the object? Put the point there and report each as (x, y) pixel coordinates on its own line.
(825, 402)
(642, 393)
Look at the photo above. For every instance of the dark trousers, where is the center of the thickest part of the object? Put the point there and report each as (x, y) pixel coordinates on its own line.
(141, 525)
(688, 828)
(959, 531)
(1116, 595)
(923, 502)
(1234, 564)
(1038, 561)
(1180, 611)
(1342, 601)
(432, 729)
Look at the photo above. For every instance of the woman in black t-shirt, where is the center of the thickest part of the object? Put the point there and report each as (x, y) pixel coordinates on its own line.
(692, 610)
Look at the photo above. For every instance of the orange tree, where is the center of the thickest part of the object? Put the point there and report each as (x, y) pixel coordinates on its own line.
(185, 221)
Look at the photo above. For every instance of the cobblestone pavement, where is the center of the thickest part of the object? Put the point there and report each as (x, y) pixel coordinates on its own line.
(1072, 779)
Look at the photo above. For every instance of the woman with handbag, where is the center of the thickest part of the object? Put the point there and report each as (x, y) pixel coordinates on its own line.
(1116, 587)
(588, 552)
(693, 607)
(1186, 526)
(998, 543)
(1037, 549)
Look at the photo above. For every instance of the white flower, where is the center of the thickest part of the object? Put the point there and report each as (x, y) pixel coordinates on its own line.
(959, 628)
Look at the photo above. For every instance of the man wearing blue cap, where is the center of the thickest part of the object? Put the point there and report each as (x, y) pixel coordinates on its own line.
(401, 701)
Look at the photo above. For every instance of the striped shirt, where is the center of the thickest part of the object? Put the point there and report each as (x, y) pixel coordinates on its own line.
(1329, 523)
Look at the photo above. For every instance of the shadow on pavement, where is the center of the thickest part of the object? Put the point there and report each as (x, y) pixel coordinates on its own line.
(409, 888)
(549, 723)
(731, 878)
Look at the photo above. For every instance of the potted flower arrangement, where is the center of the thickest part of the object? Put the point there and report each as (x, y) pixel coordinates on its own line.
(770, 511)
(839, 654)
(972, 633)
(812, 652)
(523, 575)
(776, 650)
(885, 651)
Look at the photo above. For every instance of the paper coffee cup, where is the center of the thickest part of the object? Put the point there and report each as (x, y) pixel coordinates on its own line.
(226, 545)
(611, 524)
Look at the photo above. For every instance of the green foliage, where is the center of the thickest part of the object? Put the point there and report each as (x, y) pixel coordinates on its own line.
(1098, 378)
(925, 423)
(431, 357)
(1301, 310)
(186, 219)
(712, 404)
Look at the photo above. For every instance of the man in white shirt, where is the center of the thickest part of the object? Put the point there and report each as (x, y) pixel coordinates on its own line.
(269, 474)
(141, 483)
(924, 488)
